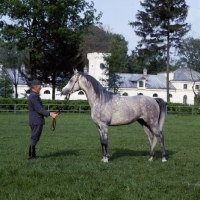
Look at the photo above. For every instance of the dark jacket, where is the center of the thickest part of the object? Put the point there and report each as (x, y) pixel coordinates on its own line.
(36, 110)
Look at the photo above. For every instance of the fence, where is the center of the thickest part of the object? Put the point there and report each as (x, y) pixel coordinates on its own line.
(50, 107)
(192, 110)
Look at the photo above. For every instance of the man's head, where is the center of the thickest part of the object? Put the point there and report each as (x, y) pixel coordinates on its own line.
(36, 85)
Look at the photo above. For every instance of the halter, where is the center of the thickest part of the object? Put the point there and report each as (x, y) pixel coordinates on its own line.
(76, 80)
(53, 123)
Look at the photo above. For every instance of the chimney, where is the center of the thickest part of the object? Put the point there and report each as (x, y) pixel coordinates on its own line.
(145, 72)
(85, 70)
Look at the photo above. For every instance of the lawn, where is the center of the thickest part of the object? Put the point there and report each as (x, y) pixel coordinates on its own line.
(69, 168)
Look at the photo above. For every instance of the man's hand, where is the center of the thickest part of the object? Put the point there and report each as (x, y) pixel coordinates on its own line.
(53, 114)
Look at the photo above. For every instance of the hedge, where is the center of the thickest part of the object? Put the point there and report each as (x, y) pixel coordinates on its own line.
(71, 104)
(173, 108)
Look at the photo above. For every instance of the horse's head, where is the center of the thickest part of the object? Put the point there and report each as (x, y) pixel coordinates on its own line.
(73, 84)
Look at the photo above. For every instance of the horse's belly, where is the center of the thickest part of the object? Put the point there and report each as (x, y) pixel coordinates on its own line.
(122, 118)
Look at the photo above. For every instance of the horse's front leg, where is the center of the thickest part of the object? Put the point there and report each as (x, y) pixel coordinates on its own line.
(103, 130)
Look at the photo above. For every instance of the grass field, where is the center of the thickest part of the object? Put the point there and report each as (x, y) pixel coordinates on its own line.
(69, 168)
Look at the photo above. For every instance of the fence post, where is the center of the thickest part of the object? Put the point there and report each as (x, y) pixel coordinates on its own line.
(79, 109)
(15, 107)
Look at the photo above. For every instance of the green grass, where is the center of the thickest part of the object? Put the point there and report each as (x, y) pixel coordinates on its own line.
(69, 168)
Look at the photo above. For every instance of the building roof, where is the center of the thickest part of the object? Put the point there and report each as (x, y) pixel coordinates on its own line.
(152, 81)
(186, 74)
(14, 74)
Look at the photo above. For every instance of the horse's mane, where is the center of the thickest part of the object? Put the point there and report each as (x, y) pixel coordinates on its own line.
(100, 91)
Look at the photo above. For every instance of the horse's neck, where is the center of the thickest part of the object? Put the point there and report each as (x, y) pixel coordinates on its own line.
(92, 96)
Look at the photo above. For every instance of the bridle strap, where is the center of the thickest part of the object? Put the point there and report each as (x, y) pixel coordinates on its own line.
(53, 123)
(76, 80)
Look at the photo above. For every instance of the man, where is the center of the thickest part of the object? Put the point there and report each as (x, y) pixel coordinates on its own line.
(36, 116)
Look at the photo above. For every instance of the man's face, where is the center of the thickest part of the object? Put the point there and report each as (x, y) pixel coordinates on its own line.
(37, 88)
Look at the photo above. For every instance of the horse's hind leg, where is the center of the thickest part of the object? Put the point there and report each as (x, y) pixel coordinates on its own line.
(160, 138)
(152, 140)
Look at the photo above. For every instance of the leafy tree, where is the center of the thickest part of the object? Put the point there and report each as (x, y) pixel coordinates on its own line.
(132, 65)
(50, 33)
(6, 89)
(161, 26)
(114, 63)
(96, 40)
(153, 64)
(12, 62)
(99, 39)
(189, 53)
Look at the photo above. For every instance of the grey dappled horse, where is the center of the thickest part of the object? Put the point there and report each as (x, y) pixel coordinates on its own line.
(108, 109)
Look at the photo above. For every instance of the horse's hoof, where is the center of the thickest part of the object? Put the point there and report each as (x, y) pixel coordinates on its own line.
(164, 159)
(151, 159)
(104, 159)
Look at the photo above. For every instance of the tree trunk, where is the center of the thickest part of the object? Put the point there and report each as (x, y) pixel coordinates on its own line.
(16, 93)
(53, 91)
(167, 83)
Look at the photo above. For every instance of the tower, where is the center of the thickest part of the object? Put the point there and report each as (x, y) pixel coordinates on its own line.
(96, 61)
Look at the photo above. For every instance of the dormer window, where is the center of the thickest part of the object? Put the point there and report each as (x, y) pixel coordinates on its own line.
(141, 84)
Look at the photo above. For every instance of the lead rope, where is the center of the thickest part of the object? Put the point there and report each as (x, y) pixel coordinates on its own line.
(53, 123)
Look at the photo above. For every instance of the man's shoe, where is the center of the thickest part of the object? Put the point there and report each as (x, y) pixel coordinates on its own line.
(32, 154)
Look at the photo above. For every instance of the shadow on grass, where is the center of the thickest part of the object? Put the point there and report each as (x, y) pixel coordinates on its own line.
(127, 152)
(62, 153)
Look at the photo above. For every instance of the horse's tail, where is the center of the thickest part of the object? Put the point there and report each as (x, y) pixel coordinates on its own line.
(163, 112)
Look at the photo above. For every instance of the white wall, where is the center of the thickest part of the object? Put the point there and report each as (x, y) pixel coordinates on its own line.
(95, 61)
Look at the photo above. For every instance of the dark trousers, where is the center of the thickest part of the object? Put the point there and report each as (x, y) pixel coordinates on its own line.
(36, 131)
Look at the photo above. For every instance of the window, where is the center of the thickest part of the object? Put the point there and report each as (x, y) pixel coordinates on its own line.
(155, 95)
(47, 92)
(185, 99)
(125, 94)
(184, 86)
(140, 94)
(170, 95)
(102, 66)
(81, 93)
(28, 91)
(197, 87)
(141, 84)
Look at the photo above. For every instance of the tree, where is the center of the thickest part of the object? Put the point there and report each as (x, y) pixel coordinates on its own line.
(115, 63)
(161, 26)
(189, 53)
(95, 40)
(153, 64)
(99, 39)
(50, 33)
(12, 62)
(6, 89)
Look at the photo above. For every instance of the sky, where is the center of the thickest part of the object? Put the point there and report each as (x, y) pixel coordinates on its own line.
(118, 13)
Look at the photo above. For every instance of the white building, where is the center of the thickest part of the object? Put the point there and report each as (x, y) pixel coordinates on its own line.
(181, 82)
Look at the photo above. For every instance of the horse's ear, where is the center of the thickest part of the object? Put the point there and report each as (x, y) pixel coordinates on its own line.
(75, 71)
